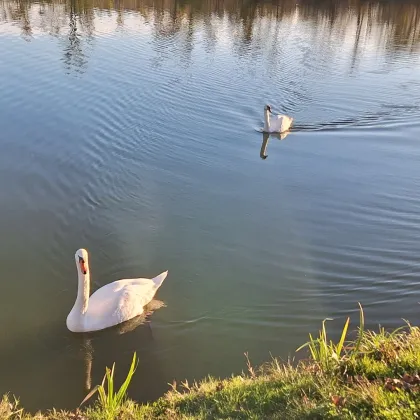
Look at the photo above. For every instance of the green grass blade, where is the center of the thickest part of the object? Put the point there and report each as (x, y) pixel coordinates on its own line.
(102, 397)
(361, 330)
(303, 345)
(343, 337)
(324, 332)
(111, 384)
(103, 381)
(123, 389)
(326, 350)
(313, 348)
(95, 389)
(393, 333)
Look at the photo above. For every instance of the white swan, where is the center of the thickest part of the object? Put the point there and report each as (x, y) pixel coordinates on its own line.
(278, 124)
(113, 303)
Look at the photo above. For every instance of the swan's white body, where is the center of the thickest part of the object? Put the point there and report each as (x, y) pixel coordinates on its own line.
(276, 123)
(113, 303)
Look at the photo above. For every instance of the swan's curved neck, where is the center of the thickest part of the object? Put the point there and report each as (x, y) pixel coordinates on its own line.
(83, 289)
(266, 120)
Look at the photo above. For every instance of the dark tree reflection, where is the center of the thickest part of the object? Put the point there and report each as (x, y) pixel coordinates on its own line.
(398, 21)
(73, 51)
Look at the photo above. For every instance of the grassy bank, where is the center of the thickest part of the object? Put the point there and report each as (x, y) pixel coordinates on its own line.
(374, 376)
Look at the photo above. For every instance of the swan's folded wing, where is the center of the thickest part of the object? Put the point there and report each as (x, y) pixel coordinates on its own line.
(118, 302)
(281, 124)
(132, 298)
(276, 123)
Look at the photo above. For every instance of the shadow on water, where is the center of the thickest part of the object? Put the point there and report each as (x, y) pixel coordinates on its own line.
(266, 138)
(66, 360)
(88, 339)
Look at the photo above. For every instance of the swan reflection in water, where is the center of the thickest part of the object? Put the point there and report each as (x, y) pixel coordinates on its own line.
(128, 326)
(266, 137)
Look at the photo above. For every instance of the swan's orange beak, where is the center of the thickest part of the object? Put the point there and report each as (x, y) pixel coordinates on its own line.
(82, 265)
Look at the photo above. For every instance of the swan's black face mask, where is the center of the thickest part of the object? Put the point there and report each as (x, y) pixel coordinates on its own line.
(82, 265)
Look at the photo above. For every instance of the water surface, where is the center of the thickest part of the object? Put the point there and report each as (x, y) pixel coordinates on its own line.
(131, 128)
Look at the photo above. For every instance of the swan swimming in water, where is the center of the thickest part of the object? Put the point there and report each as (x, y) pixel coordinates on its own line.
(113, 303)
(278, 124)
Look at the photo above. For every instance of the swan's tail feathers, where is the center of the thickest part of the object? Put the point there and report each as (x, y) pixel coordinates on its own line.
(158, 280)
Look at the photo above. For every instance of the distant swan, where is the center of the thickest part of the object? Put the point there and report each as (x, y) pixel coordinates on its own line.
(278, 124)
(113, 303)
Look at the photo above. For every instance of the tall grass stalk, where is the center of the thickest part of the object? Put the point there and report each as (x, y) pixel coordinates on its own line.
(361, 330)
(328, 354)
(110, 400)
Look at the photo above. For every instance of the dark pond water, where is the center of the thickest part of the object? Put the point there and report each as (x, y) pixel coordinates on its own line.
(132, 128)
